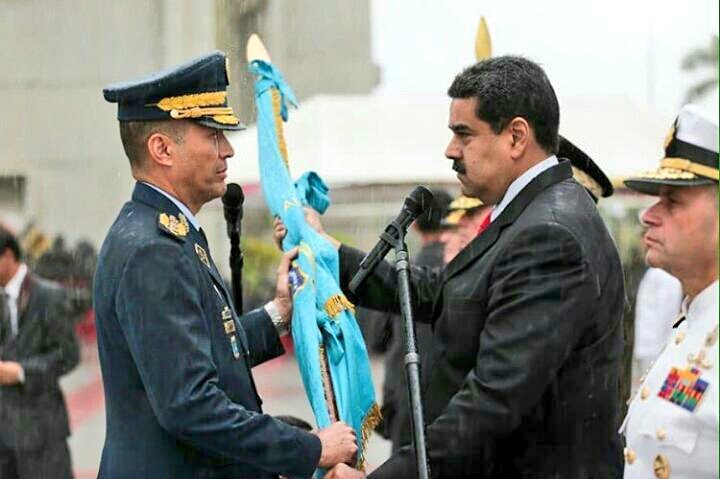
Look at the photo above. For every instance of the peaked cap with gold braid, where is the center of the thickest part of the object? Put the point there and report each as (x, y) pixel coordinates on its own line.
(196, 91)
(691, 154)
(585, 170)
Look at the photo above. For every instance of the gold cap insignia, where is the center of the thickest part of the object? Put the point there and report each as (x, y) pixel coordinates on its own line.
(463, 202)
(178, 227)
(202, 254)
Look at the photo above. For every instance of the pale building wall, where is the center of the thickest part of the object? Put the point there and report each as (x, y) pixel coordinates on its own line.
(61, 136)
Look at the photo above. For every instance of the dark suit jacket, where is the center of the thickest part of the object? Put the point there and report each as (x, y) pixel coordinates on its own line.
(34, 414)
(179, 404)
(523, 377)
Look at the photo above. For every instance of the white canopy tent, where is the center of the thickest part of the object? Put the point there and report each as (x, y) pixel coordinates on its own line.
(376, 139)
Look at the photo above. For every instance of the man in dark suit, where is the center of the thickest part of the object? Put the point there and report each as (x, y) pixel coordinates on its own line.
(180, 398)
(523, 377)
(37, 346)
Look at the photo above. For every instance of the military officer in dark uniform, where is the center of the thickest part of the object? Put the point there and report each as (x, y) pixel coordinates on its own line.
(175, 356)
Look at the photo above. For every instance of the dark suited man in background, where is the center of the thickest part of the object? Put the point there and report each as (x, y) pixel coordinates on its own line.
(37, 346)
(523, 376)
(175, 356)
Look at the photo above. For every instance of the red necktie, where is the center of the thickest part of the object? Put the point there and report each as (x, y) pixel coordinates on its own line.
(485, 223)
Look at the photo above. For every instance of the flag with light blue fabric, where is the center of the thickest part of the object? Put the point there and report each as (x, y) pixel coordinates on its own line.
(328, 342)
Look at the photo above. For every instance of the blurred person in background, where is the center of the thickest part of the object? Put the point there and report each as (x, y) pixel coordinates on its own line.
(657, 305)
(672, 424)
(524, 373)
(462, 224)
(37, 347)
(181, 401)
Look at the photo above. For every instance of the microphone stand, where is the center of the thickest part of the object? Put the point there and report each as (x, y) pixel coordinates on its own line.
(236, 264)
(412, 358)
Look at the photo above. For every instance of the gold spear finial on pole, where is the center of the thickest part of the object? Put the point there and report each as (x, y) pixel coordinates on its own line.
(256, 49)
(483, 45)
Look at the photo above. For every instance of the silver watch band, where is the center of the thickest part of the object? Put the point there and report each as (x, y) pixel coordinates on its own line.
(282, 326)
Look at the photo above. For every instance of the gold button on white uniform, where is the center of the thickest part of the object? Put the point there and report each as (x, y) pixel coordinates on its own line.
(644, 393)
(629, 455)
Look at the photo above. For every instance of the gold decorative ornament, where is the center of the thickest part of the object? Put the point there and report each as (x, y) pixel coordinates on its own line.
(679, 337)
(229, 326)
(661, 434)
(700, 359)
(711, 337)
(176, 226)
(644, 393)
(629, 455)
(588, 182)
(661, 467)
(483, 44)
(226, 119)
(684, 164)
(197, 112)
(337, 304)
(183, 102)
(669, 137)
(667, 174)
(465, 203)
(202, 254)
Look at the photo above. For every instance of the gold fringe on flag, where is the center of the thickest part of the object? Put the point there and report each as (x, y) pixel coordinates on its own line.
(279, 126)
(372, 419)
(337, 304)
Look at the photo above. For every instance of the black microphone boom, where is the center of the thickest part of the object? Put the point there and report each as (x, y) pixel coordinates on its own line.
(415, 204)
(233, 211)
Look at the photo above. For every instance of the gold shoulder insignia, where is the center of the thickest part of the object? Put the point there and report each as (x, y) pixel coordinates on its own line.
(177, 227)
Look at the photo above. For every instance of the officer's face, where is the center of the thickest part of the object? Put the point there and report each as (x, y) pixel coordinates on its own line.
(481, 157)
(202, 164)
(682, 230)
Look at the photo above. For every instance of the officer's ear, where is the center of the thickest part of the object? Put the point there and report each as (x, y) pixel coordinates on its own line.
(161, 149)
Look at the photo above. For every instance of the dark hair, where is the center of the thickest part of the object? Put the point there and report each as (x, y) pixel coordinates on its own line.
(432, 217)
(8, 241)
(134, 136)
(507, 87)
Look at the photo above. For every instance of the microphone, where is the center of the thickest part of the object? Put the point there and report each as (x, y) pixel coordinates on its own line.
(415, 204)
(232, 202)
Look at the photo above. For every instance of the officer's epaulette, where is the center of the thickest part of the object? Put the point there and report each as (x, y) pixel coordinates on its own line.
(176, 227)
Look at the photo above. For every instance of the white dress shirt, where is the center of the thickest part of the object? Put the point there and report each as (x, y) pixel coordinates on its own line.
(12, 289)
(679, 438)
(521, 182)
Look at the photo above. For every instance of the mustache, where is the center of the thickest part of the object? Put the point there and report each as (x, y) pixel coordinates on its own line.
(458, 167)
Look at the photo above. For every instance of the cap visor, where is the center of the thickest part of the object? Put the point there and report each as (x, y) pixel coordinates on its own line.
(651, 186)
(210, 123)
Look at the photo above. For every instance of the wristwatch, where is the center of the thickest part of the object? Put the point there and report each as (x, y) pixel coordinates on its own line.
(282, 326)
